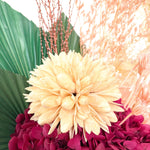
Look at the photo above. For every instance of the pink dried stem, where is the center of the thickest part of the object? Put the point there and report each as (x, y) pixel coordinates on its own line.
(39, 16)
(50, 23)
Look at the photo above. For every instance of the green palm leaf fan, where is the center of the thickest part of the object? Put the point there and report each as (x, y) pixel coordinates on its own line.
(20, 52)
(11, 103)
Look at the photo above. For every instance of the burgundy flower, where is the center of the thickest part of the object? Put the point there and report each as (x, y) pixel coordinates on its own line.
(131, 135)
(74, 143)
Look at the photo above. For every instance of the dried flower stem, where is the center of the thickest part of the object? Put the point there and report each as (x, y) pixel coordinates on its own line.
(52, 26)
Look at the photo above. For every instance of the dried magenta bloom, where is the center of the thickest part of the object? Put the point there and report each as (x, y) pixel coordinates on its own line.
(131, 135)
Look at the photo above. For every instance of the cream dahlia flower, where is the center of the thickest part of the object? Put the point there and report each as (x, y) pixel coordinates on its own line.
(71, 90)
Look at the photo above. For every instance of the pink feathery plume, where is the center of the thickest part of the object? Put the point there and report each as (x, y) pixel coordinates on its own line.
(116, 30)
(114, 27)
(136, 94)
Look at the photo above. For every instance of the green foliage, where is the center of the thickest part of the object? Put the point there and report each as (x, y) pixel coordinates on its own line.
(12, 103)
(19, 42)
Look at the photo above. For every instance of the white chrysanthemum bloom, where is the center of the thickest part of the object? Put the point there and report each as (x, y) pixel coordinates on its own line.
(73, 90)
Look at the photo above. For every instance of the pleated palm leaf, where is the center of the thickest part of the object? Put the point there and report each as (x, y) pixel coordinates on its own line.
(20, 52)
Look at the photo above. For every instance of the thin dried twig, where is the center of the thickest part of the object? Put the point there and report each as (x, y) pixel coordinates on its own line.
(50, 21)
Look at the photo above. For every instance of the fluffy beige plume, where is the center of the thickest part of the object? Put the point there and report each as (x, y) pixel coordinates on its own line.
(115, 30)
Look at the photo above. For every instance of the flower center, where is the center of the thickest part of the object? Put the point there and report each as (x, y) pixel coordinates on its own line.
(74, 94)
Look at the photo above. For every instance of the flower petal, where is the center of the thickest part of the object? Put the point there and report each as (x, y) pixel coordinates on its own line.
(92, 126)
(48, 117)
(67, 103)
(65, 81)
(66, 120)
(50, 101)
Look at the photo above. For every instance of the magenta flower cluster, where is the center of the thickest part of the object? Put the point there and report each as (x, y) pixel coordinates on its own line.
(131, 135)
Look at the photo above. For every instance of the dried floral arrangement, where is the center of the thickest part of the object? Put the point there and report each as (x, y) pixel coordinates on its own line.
(85, 91)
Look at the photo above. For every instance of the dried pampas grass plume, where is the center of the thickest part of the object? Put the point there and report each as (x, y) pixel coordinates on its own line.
(115, 30)
(136, 89)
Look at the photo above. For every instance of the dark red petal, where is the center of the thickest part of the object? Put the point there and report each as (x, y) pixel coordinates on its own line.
(130, 144)
(20, 118)
(146, 146)
(36, 133)
(74, 143)
(145, 129)
(41, 142)
(18, 128)
(46, 128)
(113, 147)
(84, 148)
(12, 145)
(27, 116)
(26, 137)
(135, 121)
(47, 144)
(39, 147)
(63, 136)
(100, 147)
(28, 124)
(20, 143)
(52, 146)
(92, 135)
(27, 146)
